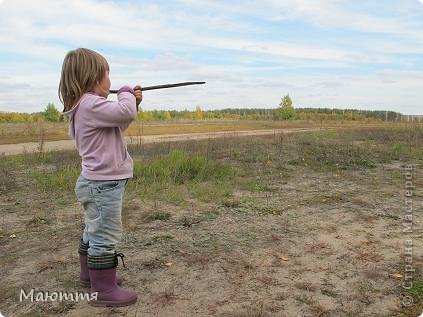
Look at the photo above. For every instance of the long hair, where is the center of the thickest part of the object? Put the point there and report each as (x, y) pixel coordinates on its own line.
(82, 69)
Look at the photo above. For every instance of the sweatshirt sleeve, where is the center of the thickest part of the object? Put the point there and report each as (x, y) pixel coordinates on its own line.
(104, 113)
(125, 126)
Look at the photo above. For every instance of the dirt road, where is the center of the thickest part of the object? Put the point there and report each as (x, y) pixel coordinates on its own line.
(13, 149)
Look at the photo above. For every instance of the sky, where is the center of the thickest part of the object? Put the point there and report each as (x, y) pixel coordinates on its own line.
(323, 53)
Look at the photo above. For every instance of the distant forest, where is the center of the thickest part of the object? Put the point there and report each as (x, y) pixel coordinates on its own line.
(320, 114)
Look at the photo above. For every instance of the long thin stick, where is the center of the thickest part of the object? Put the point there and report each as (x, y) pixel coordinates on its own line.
(166, 86)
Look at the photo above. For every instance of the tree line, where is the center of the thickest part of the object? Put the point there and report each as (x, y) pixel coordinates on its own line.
(285, 111)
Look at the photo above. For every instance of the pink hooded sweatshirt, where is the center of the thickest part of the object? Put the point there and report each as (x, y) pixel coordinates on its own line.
(97, 124)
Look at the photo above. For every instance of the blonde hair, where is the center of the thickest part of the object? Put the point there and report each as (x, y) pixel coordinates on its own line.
(82, 69)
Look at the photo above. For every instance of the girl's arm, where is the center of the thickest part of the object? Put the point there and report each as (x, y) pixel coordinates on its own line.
(125, 126)
(104, 113)
(138, 99)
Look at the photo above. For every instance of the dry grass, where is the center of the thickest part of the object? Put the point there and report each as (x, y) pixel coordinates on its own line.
(284, 225)
(11, 133)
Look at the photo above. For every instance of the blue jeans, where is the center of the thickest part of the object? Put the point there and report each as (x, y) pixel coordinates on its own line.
(102, 203)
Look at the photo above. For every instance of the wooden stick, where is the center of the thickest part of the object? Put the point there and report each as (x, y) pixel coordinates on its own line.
(112, 91)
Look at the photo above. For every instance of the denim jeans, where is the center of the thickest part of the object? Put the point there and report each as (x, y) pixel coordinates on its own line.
(102, 203)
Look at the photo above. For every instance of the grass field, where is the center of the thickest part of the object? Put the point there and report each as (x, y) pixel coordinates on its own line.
(11, 133)
(303, 224)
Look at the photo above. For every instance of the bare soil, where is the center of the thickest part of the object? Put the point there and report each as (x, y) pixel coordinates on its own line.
(311, 243)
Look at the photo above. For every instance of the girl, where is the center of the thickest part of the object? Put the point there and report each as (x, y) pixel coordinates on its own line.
(96, 124)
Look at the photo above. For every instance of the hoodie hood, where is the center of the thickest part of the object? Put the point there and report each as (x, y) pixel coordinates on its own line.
(70, 115)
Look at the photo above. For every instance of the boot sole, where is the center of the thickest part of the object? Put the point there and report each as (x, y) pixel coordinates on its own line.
(105, 303)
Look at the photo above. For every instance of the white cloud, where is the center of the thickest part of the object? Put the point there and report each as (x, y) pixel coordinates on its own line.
(190, 40)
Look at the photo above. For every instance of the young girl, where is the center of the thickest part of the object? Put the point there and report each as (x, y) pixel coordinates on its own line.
(96, 124)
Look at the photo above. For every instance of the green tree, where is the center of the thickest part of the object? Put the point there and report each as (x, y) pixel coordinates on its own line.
(286, 102)
(286, 111)
(51, 113)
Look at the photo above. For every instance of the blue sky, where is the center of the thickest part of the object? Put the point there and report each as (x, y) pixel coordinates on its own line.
(324, 53)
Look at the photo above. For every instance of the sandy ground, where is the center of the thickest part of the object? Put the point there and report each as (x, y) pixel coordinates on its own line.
(300, 251)
(313, 244)
(12, 149)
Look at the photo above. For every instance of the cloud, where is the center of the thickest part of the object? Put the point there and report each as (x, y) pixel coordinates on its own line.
(249, 52)
(394, 76)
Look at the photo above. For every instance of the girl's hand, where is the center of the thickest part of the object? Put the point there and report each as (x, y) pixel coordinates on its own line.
(138, 95)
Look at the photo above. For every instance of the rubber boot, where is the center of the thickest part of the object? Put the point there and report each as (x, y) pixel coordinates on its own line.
(104, 285)
(84, 276)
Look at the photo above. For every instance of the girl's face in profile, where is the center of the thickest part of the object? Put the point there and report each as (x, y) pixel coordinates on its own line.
(102, 89)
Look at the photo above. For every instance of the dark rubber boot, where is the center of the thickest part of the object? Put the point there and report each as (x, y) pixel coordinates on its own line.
(103, 281)
(84, 276)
